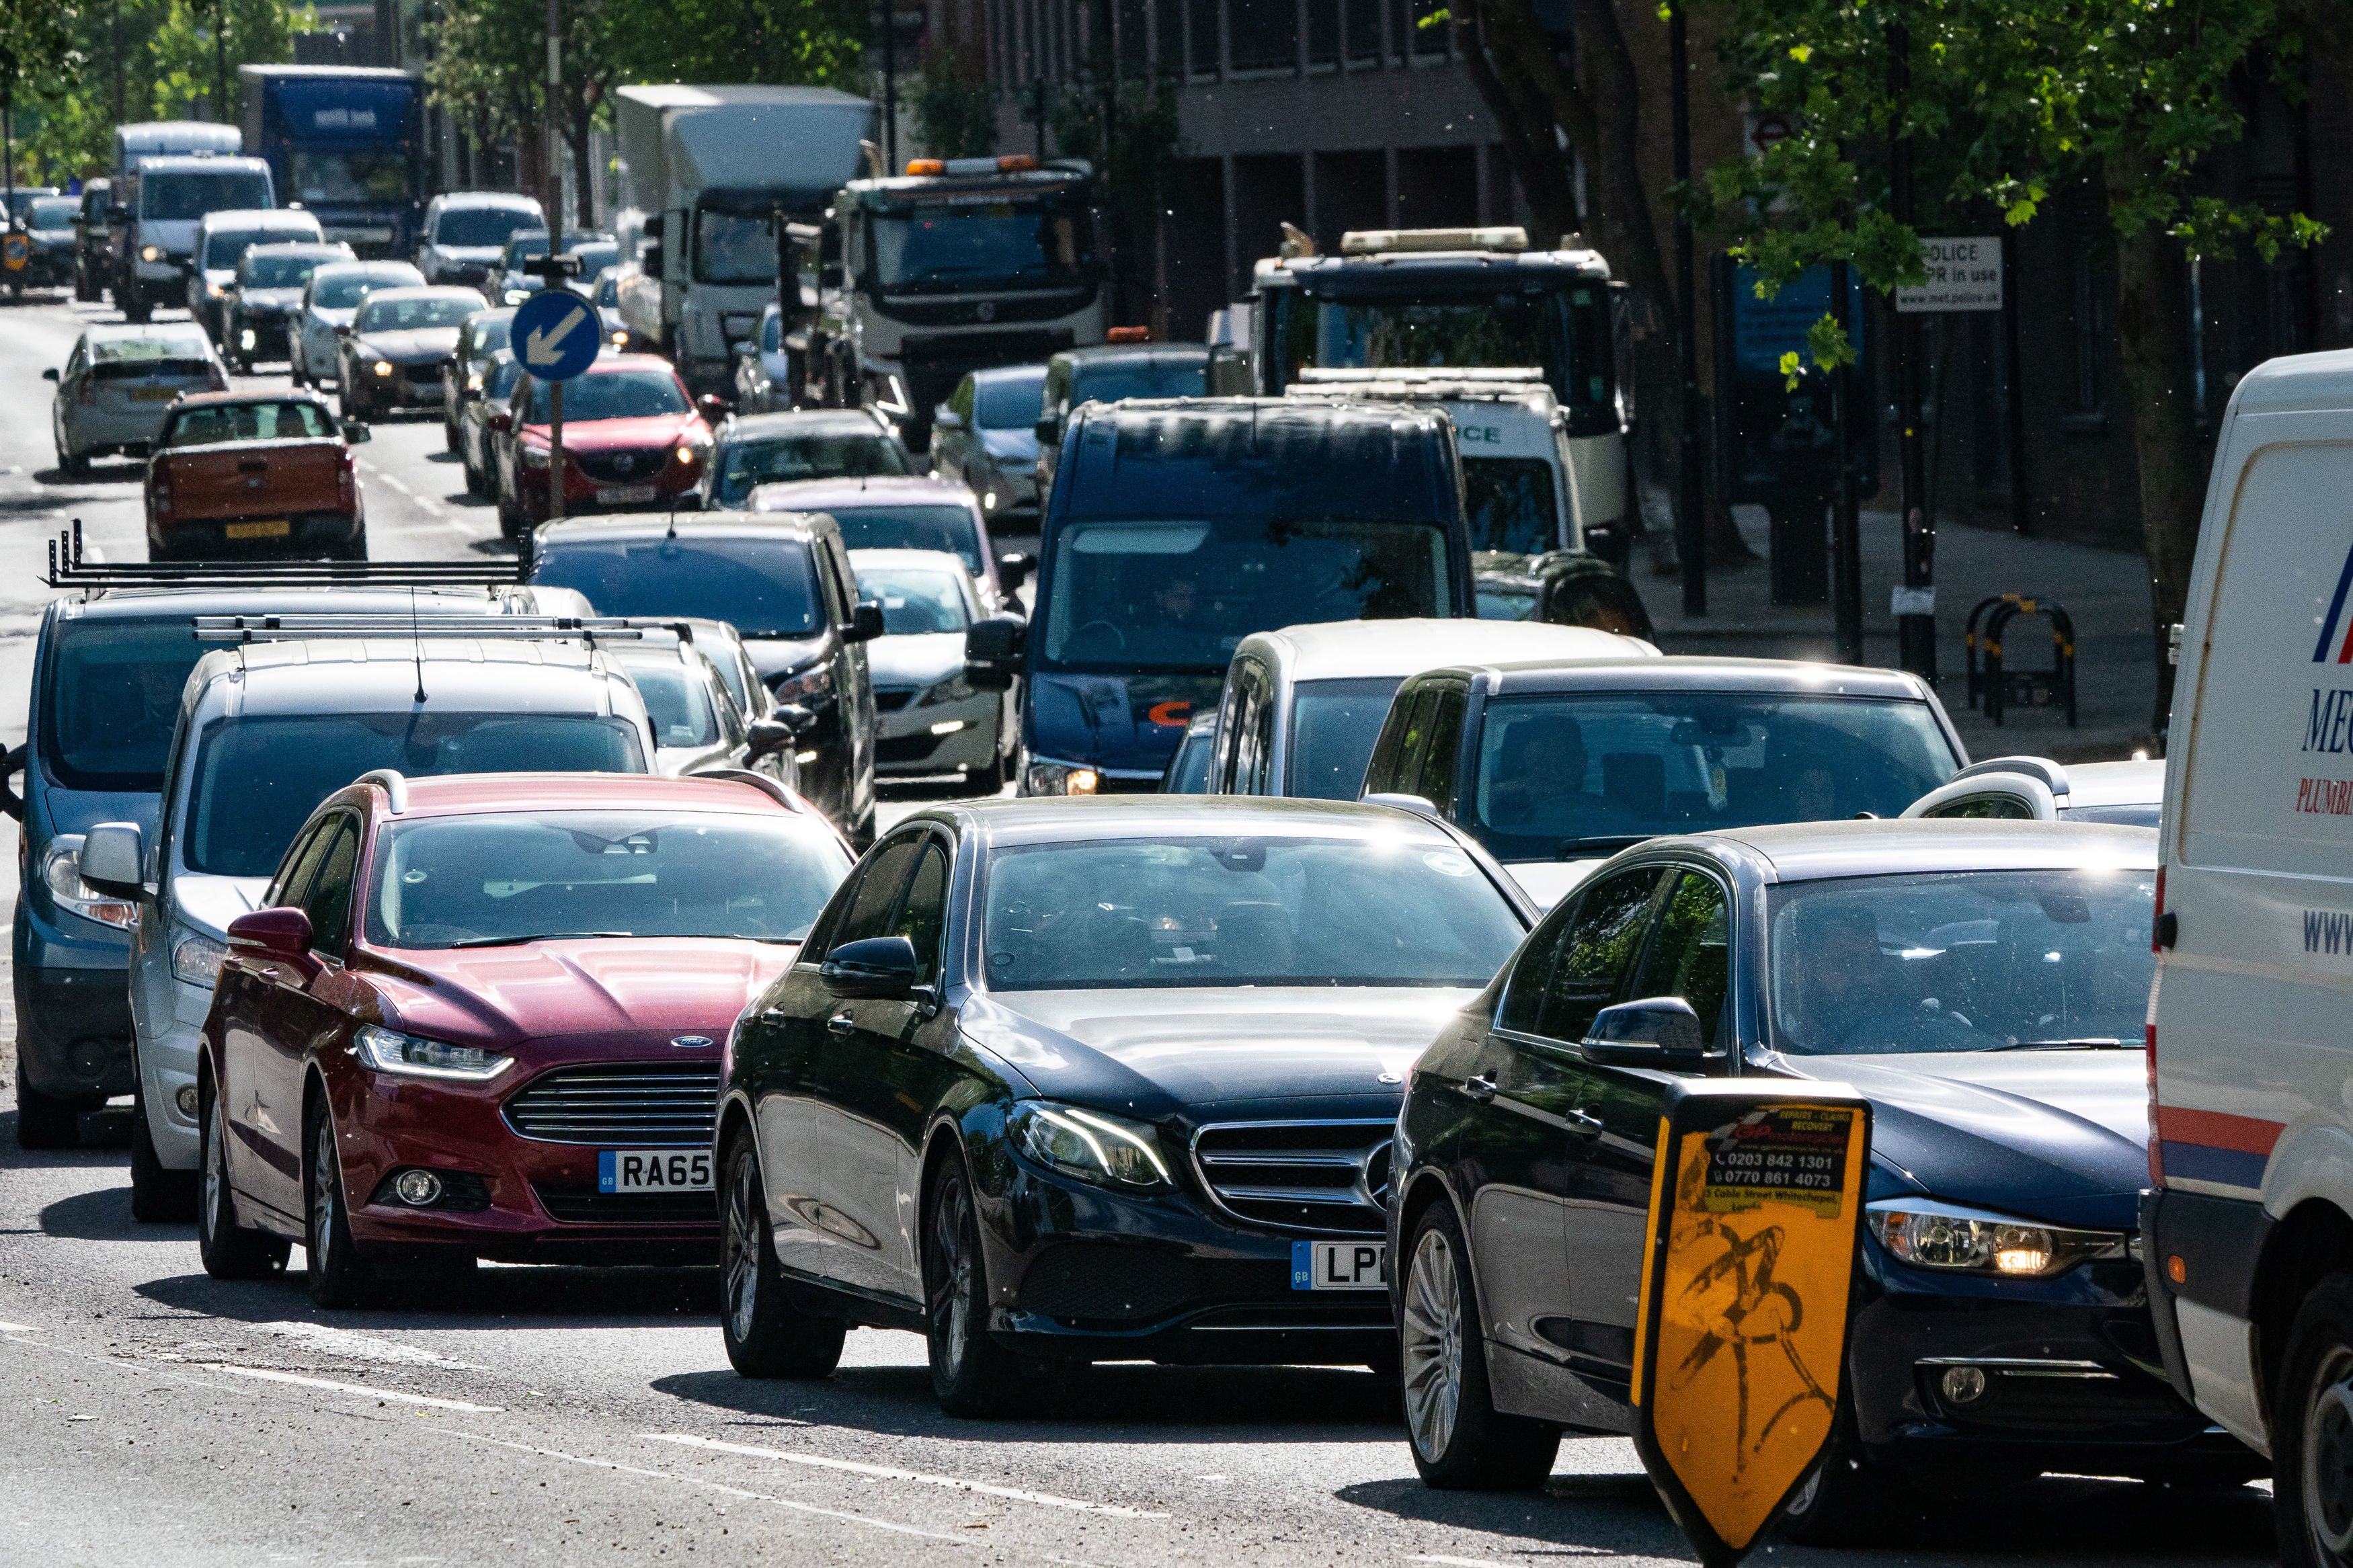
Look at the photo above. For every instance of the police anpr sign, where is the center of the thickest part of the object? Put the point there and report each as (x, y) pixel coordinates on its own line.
(1963, 274)
(1741, 1327)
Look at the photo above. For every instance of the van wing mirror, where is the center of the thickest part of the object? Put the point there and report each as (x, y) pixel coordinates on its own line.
(1013, 569)
(1654, 1032)
(114, 860)
(992, 652)
(877, 966)
(865, 622)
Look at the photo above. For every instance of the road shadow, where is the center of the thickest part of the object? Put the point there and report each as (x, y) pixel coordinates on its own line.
(120, 472)
(495, 546)
(105, 1135)
(104, 1214)
(539, 1296)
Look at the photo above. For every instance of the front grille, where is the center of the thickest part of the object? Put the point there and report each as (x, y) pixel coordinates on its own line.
(905, 748)
(424, 375)
(1328, 1176)
(576, 1206)
(623, 467)
(890, 698)
(623, 1106)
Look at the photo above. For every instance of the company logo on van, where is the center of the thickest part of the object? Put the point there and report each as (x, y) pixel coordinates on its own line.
(2330, 632)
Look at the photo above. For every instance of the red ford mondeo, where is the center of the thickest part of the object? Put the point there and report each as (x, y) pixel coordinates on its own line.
(482, 1017)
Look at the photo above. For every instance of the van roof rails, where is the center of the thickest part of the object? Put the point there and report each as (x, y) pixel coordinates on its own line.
(303, 627)
(68, 569)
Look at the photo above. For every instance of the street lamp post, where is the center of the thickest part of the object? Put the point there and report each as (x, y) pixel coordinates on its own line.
(1915, 622)
(1690, 531)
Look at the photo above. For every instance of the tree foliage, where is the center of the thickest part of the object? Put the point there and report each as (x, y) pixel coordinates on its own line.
(181, 55)
(954, 118)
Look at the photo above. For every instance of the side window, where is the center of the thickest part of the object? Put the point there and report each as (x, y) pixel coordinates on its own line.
(1261, 742)
(1380, 770)
(328, 902)
(924, 917)
(1445, 744)
(1603, 940)
(1413, 743)
(1691, 953)
(1235, 732)
(722, 702)
(1985, 808)
(868, 913)
(845, 587)
(1524, 997)
(294, 871)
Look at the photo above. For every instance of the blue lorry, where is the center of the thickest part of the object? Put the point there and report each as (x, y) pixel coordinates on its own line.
(345, 144)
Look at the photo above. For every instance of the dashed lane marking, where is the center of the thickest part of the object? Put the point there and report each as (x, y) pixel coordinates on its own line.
(344, 1344)
(389, 1395)
(19, 1328)
(885, 1472)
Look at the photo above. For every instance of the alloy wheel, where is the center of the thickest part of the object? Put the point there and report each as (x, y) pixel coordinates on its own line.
(2329, 1456)
(950, 1303)
(1432, 1343)
(208, 1211)
(322, 1195)
(742, 1244)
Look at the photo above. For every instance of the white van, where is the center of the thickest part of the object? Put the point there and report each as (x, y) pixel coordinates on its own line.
(2249, 1234)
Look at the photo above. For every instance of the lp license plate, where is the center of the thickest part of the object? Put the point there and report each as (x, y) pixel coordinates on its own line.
(276, 527)
(654, 1170)
(622, 495)
(153, 393)
(1339, 1265)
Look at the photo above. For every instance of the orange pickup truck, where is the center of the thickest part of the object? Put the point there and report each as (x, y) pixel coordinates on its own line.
(246, 473)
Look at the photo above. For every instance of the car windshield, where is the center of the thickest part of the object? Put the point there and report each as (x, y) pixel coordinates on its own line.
(912, 527)
(1009, 402)
(257, 777)
(749, 461)
(729, 248)
(505, 371)
(356, 177)
(1396, 910)
(489, 332)
(513, 877)
(261, 270)
(941, 248)
(1963, 961)
(606, 290)
(345, 291)
(221, 250)
(53, 213)
(1182, 594)
(111, 697)
(612, 395)
(208, 425)
(410, 315)
(677, 702)
(916, 600)
(1333, 724)
(1576, 773)
(1510, 504)
(1110, 383)
(1188, 769)
(182, 197)
(593, 259)
(765, 587)
(480, 227)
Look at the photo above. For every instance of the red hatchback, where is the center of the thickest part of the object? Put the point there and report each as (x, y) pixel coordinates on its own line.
(483, 1016)
(633, 441)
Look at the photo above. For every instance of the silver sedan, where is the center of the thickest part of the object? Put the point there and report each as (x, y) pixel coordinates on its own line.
(928, 721)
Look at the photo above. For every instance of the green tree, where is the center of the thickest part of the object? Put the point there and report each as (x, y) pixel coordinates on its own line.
(184, 60)
(36, 50)
(1145, 140)
(955, 118)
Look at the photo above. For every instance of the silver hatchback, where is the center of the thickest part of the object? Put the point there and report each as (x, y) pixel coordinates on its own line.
(120, 382)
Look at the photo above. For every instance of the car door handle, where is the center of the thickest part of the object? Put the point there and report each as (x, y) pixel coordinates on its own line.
(842, 1024)
(1583, 1121)
(1479, 1088)
(775, 1016)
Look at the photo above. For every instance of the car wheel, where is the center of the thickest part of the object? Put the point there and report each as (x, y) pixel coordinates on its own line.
(766, 1337)
(229, 1250)
(44, 1121)
(1460, 1440)
(73, 462)
(973, 1376)
(2312, 1431)
(476, 484)
(449, 438)
(157, 1195)
(340, 1275)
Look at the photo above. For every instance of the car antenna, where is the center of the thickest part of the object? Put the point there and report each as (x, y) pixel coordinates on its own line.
(417, 644)
(672, 532)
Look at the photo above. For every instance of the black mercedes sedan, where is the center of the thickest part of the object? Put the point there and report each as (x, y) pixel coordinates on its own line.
(1984, 983)
(1083, 1080)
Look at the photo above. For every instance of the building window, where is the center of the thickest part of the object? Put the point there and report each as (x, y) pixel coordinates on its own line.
(1363, 29)
(1322, 32)
(1169, 36)
(1202, 18)
(1265, 34)
(2091, 334)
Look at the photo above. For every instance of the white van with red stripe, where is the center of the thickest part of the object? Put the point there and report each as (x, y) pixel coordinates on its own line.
(2249, 1233)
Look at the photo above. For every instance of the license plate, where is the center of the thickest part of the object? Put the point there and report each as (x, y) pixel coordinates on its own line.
(1339, 1265)
(153, 393)
(621, 495)
(654, 1170)
(276, 527)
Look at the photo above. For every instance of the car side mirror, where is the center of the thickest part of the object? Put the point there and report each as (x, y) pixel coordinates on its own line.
(877, 966)
(1048, 431)
(1013, 569)
(502, 423)
(743, 348)
(51, 374)
(355, 432)
(1654, 1032)
(344, 330)
(650, 260)
(992, 652)
(769, 736)
(118, 214)
(828, 275)
(796, 720)
(271, 933)
(946, 418)
(1420, 805)
(114, 860)
(865, 622)
(712, 406)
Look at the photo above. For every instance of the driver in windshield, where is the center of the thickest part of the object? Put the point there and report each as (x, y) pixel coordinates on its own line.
(1853, 997)
(1169, 622)
(1539, 784)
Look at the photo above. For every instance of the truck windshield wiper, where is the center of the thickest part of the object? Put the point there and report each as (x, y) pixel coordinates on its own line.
(1569, 847)
(2103, 1043)
(535, 936)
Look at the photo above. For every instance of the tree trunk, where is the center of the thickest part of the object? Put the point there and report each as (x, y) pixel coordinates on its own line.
(584, 173)
(2153, 339)
(1530, 135)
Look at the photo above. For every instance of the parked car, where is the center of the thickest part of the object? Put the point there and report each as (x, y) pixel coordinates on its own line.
(265, 733)
(885, 513)
(2036, 789)
(222, 240)
(1556, 765)
(330, 300)
(1188, 765)
(985, 435)
(698, 726)
(1108, 373)
(476, 444)
(246, 473)
(1562, 587)
(464, 231)
(267, 303)
(49, 244)
(929, 722)
(632, 439)
(1982, 983)
(108, 669)
(1302, 706)
(506, 282)
(1142, 1066)
(393, 354)
(482, 337)
(118, 383)
(1182, 527)
(784, 583)
(755, 449)
(486, 1072)
(93, 257)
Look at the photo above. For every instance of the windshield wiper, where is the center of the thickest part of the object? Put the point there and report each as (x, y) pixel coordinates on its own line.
(2103, 1042)
(1612, 841)
(535, 936)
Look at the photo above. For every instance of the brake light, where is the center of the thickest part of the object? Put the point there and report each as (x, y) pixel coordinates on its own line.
(347, 483)
(2149, 1036)
(162, 492)
(88, 395)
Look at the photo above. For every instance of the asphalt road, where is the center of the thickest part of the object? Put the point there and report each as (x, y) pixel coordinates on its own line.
(152, 1416)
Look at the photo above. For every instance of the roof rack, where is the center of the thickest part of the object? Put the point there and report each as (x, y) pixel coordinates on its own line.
(395, 786)
(304, 627)
(68, 569)
(775, 791)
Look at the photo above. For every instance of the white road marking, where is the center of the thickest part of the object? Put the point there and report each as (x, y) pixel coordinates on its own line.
(19, 1328)
(345, 1346)
(885, 1472)
(1459, 1562)
(389, 1395)
(394, 482)
(712, 1486)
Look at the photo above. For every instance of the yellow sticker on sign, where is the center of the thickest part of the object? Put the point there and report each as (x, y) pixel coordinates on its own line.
(1742, 1323)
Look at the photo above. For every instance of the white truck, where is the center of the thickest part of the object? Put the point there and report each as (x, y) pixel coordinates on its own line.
(707, 173)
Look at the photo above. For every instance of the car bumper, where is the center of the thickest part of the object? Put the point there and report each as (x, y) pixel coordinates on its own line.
(400, 389)
(93, 426)
(168, 1049)
(909, 741)
(73, 1029)
(675, 486)
(308, 531)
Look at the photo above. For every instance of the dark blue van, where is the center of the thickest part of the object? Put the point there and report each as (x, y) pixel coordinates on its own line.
(1178, 527)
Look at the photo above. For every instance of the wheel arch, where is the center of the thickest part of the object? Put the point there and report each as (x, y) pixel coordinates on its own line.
(2311, 1242)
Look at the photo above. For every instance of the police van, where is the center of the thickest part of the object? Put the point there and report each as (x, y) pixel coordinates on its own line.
(2248, 1235)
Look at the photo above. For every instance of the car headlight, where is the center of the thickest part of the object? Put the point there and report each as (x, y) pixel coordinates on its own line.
(61, 871)
(197, 959)
(414, 1055)
(954, 688)
(383, 367)
(1926, 1234)
(815, 682)
(620, 338)
(535, 457)
(1062, 778)
(151, 253)
(474, 381)
(246, 339)
(215, 291)
(1109, 1150)
(517, 295)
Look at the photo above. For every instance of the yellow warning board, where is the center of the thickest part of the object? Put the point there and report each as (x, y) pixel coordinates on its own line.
(14, 251)
(1741, 1329)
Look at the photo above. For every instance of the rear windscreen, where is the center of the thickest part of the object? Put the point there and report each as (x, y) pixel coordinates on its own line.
(111, 699)
(767, 588)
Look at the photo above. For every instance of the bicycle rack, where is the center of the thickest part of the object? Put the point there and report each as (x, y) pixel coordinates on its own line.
(2027, 687)
(1972, 642)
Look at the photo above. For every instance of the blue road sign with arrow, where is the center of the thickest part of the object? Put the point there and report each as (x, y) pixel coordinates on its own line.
(555, 334)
